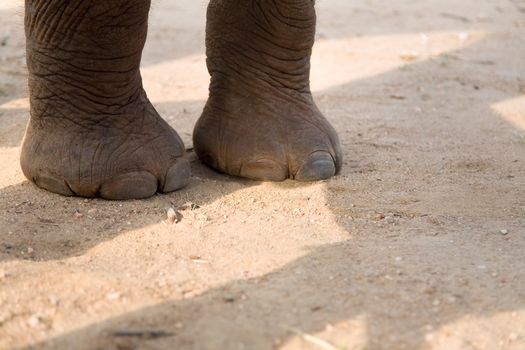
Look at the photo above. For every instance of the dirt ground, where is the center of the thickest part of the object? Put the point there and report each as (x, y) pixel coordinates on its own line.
(418, 244)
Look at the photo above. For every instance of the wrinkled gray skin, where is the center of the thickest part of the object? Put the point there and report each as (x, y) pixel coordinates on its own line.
(94, 133)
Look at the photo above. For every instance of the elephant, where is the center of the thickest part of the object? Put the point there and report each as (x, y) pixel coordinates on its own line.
(93, 132)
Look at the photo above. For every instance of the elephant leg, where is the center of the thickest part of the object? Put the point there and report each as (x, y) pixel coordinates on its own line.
(260, 120)
(93, 131)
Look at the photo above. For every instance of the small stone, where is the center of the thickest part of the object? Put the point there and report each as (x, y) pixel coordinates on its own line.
(376, 216)
(198, 260)
(162, 284)
(113, 296)
(194, 206)
(229, 298)
(408, 57)
(54, 300)
(504, 232)
(428, 290)
(171, 216)
(463, 36)
(34, 321)
(399, 259)
(30, 250)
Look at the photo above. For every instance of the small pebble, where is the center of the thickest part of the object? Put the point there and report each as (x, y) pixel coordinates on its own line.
(463, 36)
(171, 216)
(199, 260)
(113, 296)
(409, 57)
(34, 321)
(504, 232)
(54, 300)
(428, 290)
(229, 298)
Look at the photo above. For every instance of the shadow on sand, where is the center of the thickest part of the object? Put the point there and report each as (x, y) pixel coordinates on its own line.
(352, 283)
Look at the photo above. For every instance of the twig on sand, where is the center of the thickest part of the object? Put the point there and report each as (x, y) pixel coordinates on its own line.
(456, 17)
(41, 223)
(143, 334)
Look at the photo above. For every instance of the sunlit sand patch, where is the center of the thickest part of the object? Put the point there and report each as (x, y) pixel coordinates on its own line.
(334, 62)
(184, 79)
(350, 334)
(339, 61)
(502, 330)
(20, 103)
(512, 111)
(10, 175)
(11, 5)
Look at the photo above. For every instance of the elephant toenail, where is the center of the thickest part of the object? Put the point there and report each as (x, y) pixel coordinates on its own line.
(177, 176)
(319, 166)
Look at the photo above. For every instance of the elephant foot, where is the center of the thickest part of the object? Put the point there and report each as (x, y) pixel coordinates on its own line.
(260, 121)
(130, 156)
(93, 131)
(267, 138)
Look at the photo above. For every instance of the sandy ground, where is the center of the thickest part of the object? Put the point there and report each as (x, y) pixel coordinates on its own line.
(418, 244)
